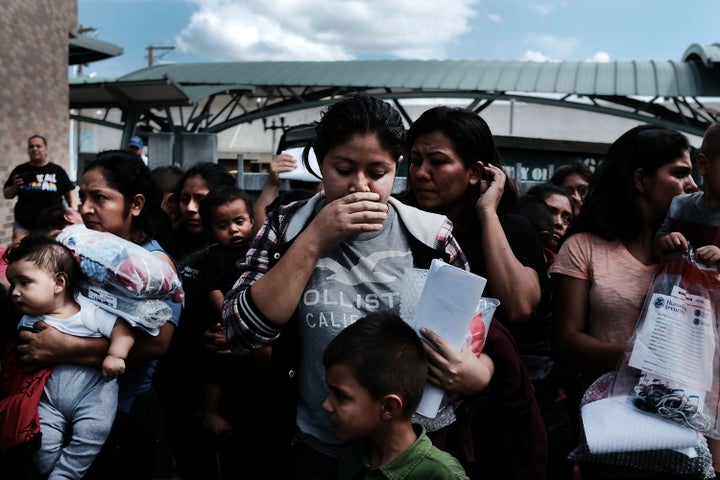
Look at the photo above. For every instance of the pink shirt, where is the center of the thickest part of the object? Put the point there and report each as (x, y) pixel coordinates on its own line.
(618, 283)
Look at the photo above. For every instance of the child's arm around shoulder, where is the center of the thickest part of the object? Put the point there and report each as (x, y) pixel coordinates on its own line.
(121, 341)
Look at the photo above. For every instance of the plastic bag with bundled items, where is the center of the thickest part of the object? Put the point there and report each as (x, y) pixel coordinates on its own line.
(120, 265)
(123, 277)
(671, 366)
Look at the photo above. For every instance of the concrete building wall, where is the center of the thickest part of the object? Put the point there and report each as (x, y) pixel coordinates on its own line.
(34, 94)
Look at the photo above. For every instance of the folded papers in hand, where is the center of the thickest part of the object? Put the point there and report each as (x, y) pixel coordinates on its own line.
(447, 305)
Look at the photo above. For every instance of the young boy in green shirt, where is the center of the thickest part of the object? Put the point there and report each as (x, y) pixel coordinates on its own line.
(376, 370)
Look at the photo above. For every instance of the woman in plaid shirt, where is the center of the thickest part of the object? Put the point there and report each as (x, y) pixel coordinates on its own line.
(341, 254)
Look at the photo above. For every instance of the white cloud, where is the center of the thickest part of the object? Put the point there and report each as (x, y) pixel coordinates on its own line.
(324, 29)
(536, 56)
(601, 57)
(495, 18)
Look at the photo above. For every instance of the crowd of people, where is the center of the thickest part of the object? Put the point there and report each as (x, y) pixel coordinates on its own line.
(288, 354)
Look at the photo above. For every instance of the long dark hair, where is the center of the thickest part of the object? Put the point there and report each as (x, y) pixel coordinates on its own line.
(471, 139)
(611, 209)
(358, 115)
(127, 173)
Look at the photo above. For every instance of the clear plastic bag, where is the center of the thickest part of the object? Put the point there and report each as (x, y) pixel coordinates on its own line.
(671, 367)
(475, 340)
(148, 314)
(121, 266)
(124, 278)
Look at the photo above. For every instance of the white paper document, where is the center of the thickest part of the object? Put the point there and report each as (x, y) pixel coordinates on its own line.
(301, 172)
(676, 340)
(447, 304)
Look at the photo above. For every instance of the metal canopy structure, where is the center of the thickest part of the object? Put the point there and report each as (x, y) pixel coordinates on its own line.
(85, 50)
(225, 94)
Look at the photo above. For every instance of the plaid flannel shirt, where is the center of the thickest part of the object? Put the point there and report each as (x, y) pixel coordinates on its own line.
(246, 328)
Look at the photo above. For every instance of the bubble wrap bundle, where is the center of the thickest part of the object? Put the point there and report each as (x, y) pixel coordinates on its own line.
(147, 314)
(120, 265)
(123, 277)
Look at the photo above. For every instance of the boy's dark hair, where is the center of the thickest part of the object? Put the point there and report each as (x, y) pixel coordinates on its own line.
(385, 355)
(222, 196)
(49, 255)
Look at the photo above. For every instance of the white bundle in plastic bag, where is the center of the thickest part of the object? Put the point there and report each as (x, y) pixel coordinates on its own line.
(123, 277)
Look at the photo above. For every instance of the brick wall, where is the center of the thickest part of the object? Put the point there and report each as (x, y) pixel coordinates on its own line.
(33, 85)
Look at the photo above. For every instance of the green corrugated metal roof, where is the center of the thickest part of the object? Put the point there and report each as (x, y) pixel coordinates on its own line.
(291, 86)
(582, 78)
(707, 54)
(195, 93)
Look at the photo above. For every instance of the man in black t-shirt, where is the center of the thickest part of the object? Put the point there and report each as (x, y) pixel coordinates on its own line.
(38, 184)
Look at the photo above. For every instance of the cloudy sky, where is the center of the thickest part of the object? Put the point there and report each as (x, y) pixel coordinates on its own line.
(537, 30)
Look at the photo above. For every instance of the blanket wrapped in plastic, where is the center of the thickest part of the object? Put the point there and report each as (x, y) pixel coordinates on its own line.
(123, 277)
